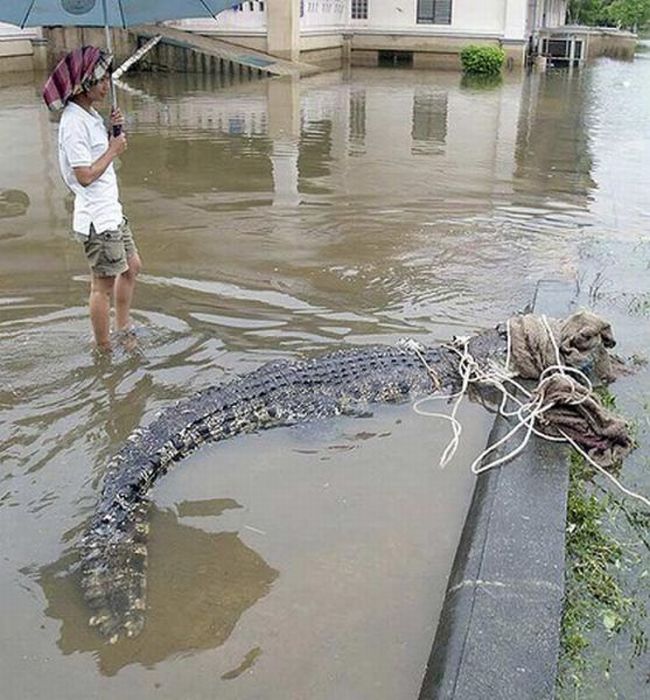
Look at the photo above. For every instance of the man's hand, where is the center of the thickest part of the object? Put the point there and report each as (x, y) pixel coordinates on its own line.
(117, 118)
(117, 145)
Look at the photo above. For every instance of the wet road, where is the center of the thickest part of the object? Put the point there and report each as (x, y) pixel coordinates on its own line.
(277, 220)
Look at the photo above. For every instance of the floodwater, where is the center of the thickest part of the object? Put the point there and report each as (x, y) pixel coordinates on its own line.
(278, 220)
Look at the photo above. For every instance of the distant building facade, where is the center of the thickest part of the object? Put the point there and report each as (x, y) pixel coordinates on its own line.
(422, 33)
(329, 33)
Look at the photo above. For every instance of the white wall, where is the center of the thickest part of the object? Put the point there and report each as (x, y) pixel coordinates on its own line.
(9, 31)
(484, 16)
(325, 14)
(468, 16)
(512, 19)
(248, 19)
(514, 26)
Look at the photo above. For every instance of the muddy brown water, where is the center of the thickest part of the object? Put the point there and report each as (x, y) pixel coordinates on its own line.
(278, 220)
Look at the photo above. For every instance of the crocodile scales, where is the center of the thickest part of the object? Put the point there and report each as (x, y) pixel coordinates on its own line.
(113, 546)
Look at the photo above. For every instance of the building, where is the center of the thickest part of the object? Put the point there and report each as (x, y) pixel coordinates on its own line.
(329, 33)
(421, 33)
(21, 49)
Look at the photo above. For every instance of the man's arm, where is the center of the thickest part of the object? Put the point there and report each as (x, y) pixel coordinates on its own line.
(87, 174)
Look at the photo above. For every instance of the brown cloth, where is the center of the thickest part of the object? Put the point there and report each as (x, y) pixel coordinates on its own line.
(582, 340)
(600, 433)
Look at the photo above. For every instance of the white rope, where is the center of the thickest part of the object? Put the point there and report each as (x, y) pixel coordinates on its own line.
(526, 411)
(604, 472)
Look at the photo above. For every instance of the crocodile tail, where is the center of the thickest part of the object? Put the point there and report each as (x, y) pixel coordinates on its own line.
(114, 561)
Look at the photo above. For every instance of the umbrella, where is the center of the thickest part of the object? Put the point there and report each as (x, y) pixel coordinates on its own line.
(106, 13)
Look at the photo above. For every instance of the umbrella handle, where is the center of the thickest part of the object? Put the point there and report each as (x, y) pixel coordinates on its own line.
(116, 129)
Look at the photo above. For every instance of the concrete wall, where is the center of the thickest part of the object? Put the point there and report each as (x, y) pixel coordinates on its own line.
(20, 49)
(595, 41)
(60, 40)
(16, 55)
(283, 29)
(612, 44)
(391, 26)
(327, 50)
(428, 52)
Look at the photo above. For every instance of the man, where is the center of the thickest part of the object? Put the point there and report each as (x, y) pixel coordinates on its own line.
(86, 154)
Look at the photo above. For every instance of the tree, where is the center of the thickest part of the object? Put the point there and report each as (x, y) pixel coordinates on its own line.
(589, 12)
(629, 14)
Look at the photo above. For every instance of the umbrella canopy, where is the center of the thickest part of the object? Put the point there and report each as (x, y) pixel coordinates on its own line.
(104, 13)
(100, 13)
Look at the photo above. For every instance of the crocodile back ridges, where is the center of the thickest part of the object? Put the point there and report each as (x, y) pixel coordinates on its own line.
(113, 547)
(366, 374)
(275, 394)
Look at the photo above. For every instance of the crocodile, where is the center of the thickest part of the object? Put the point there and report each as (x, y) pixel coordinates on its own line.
(280, 393)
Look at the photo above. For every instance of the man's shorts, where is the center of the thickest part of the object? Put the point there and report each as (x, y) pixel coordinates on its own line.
(108, 252)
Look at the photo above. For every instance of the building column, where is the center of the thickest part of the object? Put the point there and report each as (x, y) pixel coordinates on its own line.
(283, 29)
(515, 20)
(515, 35)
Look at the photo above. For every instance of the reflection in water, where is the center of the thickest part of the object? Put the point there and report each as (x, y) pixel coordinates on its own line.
(481, 82)
(13, 203)
(429, 122)
(357, 121)
(553, 155)
(285, 173)
(199, 585)
(316, 149)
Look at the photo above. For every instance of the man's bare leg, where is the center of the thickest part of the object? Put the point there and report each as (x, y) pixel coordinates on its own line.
(101, 289)
(124, 288)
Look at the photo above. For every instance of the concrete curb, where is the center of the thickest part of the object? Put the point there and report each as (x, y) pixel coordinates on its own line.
(499, 630)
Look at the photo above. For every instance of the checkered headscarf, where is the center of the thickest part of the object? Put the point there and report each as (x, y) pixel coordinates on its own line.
(76, 72)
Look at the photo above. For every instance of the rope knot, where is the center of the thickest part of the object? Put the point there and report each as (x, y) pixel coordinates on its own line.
(562, 406)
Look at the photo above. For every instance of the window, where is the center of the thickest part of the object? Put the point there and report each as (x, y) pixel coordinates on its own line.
(434, 11)
(251, 5)
(359, 9)
(395, 58)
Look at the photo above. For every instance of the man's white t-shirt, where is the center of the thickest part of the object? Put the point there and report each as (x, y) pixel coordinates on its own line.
(82, 140)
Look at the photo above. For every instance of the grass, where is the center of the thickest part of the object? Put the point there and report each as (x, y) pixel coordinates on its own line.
(594, 593)
(596, 603)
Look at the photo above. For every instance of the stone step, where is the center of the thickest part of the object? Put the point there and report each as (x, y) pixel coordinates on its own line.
(226, 51)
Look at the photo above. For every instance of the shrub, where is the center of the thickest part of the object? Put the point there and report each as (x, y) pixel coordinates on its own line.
(482, 60)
